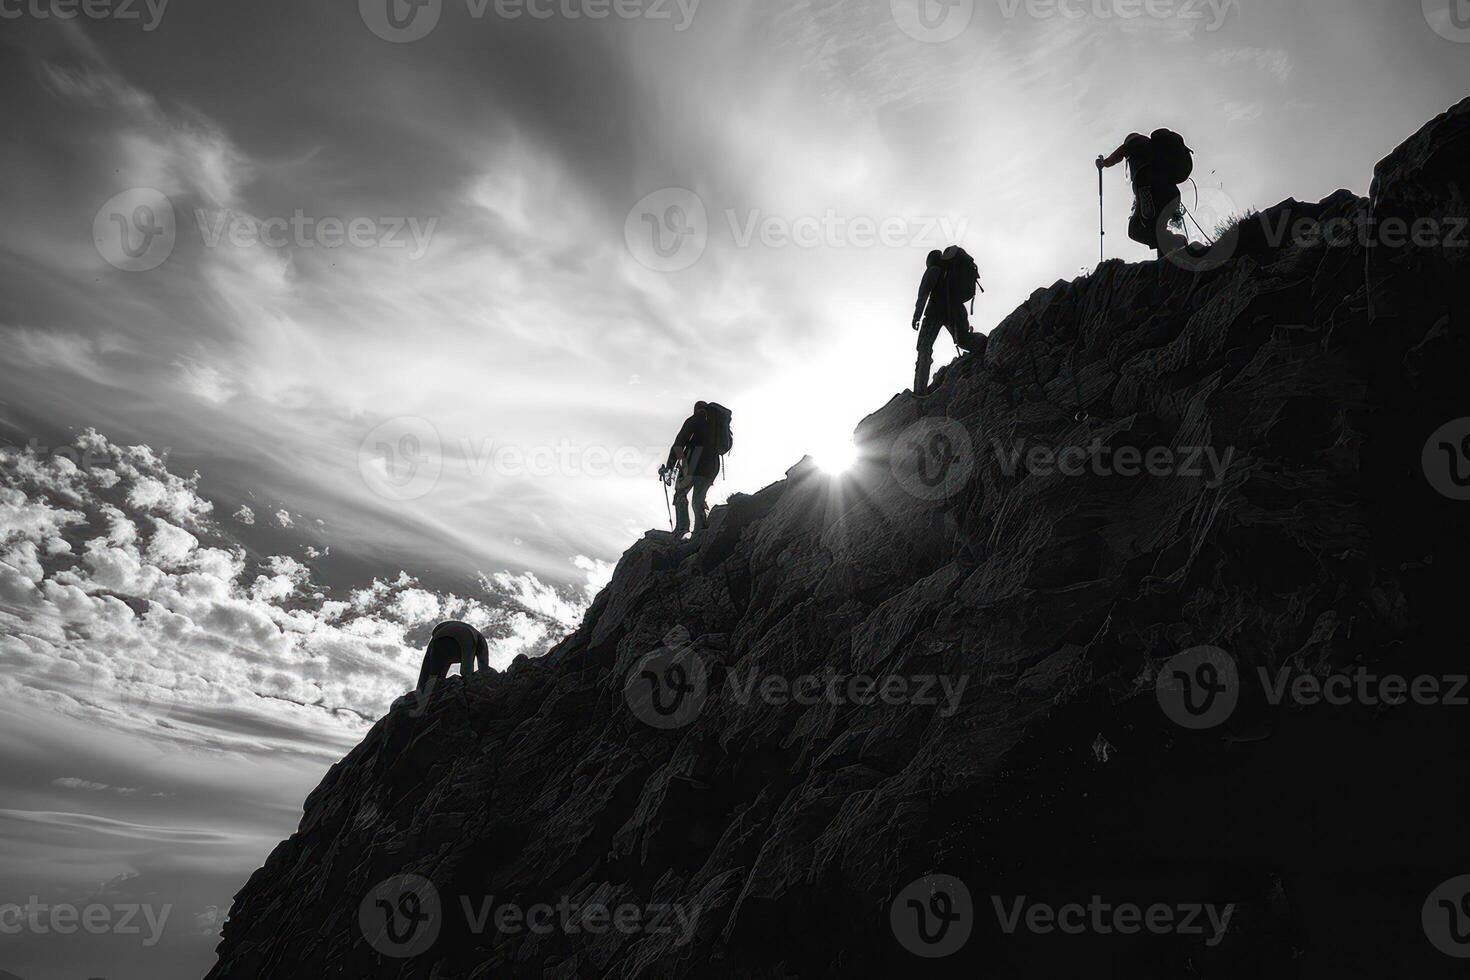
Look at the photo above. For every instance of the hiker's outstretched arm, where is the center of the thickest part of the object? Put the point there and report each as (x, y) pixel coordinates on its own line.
(1117, 156)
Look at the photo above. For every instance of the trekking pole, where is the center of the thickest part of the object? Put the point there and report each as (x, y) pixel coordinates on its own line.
(1102, 227)
(668, 506)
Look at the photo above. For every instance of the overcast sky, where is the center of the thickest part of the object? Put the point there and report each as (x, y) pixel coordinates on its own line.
(403, 313)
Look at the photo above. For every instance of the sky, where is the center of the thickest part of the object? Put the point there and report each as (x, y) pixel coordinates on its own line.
(324, 322)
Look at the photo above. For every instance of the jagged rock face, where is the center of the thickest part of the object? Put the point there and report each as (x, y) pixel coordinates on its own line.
(1274, 402)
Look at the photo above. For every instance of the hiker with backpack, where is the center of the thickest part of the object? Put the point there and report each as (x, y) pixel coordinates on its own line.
(1157, 165)
(949, 282)
(694, 462)
(452, 643)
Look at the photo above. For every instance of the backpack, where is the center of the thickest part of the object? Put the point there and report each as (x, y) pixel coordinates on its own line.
(721, 435)
(961, 275)
(1173, 161)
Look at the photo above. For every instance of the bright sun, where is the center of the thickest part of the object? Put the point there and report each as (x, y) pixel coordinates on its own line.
(838, 457)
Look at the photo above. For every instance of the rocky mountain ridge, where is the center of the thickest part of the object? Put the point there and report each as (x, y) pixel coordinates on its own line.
(1050, 645)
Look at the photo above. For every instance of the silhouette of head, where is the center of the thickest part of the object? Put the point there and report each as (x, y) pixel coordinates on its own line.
(700, 407)
(935, 257)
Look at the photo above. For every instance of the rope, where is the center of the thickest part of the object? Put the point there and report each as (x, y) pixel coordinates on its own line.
(1189, 214)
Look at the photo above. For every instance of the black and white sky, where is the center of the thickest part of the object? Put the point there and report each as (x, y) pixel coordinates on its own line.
(322, 322)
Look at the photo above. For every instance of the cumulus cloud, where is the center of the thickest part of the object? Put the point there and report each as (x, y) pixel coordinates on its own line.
(245, 516)
(124, 601)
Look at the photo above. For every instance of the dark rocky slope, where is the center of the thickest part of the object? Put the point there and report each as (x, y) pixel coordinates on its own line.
(788, 831)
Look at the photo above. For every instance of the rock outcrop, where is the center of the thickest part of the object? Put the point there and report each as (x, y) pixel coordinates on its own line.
(1078, 575)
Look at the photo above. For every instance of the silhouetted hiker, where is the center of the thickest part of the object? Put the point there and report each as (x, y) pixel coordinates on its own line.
(694, 462)
(450, 644)
(949, 283)
(1157, 165)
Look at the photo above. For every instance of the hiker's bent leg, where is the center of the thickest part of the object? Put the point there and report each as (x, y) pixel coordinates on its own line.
(681, 506)
(927, 336)
(436, 664)
(701, 509)
(1167, 199)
